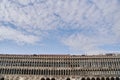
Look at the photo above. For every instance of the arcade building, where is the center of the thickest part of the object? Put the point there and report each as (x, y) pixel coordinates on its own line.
(60, 67)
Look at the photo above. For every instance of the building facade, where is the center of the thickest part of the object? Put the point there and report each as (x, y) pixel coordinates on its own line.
(60, 67)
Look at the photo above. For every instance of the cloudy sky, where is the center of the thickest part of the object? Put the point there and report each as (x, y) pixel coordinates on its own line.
(59, 26)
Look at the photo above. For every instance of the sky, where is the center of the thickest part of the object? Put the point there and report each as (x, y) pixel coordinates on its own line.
(59, 26)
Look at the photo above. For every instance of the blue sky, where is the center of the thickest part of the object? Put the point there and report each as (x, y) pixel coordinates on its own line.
(59, 26)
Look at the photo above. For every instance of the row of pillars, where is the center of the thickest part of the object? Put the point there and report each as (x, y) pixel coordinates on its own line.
(52, 79)
(103, 78)
(112, 78)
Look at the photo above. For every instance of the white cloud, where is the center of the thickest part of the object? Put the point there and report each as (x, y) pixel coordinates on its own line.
(116, 25)
(7, 33)
(96, 22)
(92, 44)
(31, 17)
(48, 15)
(102, 19)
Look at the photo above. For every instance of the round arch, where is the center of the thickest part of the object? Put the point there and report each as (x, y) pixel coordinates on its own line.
(88, 78)
(107, 78)
(42, 78)
(2, 79)
(112, 78)
(102, 78)
(117, 78)
(68, 79)
(97, 78)
(93, 78)
(83, 78)
(53, 79)
(47, 78)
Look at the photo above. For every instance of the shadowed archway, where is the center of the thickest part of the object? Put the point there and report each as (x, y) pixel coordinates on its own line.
(47, 78)
(83, 78)
(42, 78)
(88, 78)
(93, 79)
(107, 78)
(102, 78)
(97, 78)
(53, 79)
(112, 78)
(68, 79)
(117, 78)
(2, 79)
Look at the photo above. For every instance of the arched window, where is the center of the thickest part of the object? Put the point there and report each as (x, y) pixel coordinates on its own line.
(32, 71)
(49, 72)
(58, 72)
(29, 71)
(62, 72)
(25, 71)
(52, 72)
(41, 72)
(0, 71)
(46, 71)
(20, 72)
(6, 70)
(67, 72)
(3, 71)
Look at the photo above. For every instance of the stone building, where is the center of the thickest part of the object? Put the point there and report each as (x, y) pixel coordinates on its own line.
(60, 67)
